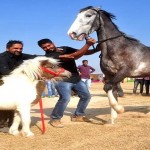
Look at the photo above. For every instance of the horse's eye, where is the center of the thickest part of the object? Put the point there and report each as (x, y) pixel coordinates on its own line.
(88, 16)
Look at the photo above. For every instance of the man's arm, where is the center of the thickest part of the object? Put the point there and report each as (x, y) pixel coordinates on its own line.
(79, 53)
(92, 51)
(92, 69)
(98, 48)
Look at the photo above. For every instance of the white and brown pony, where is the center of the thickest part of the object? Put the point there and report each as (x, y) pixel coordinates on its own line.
(24, 86)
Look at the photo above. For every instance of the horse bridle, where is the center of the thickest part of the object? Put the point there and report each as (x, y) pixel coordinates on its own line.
(101, 28)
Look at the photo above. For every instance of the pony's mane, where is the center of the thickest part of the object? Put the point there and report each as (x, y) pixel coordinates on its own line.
(29, 68)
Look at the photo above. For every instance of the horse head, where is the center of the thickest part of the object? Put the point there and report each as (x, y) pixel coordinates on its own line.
(87, 21)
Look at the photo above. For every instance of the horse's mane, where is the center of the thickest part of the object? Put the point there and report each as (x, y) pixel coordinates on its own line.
(29, 68)
(86, 8)
(110, 16)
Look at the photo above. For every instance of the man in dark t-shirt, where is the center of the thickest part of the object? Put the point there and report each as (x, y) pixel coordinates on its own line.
(67, 56)
(9, 60)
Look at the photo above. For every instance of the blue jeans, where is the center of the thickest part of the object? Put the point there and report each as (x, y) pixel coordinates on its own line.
(64, 91)
(50, 88)
(87, 82)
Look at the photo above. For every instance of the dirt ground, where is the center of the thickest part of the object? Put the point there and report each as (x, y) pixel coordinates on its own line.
(131, 130)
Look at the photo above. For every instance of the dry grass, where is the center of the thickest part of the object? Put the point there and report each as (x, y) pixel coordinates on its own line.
(130, 132)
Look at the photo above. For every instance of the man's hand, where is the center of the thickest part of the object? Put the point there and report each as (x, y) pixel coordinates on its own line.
(90, 41)
(79, 53)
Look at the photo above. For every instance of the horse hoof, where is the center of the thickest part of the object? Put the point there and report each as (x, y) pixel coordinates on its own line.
(109, 122)
(119, 109)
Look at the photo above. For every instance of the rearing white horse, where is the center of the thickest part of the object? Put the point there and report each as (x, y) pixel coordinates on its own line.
(24, 86)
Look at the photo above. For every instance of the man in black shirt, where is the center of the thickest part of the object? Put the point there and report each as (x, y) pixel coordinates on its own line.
(9, 60)
(67, 56)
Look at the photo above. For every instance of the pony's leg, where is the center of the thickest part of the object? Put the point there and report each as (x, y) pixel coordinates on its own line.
(26, 120)
(16, 122)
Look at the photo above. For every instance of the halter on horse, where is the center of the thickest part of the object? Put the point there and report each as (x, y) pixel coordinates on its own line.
(121, 56)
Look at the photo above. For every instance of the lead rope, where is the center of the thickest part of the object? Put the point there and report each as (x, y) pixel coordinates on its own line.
(42, 116)
(43, 129)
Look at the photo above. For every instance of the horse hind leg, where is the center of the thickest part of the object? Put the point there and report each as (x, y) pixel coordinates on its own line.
(26, 120)
(14, 128)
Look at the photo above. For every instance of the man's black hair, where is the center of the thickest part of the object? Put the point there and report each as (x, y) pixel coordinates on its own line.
(84, 61)
(12, 42)
(43, 41)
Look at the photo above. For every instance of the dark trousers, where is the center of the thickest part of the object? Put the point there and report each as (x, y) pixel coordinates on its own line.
(136, 83)
(147, 83)
(6, 118)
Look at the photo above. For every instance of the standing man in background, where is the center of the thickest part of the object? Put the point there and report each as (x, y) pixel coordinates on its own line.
(147, 84)
(85, 70)
(138, 81)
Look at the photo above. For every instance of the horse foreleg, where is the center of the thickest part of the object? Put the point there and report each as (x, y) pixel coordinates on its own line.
(113, 103)
(114, 116)
(16, 122)
(26, 120)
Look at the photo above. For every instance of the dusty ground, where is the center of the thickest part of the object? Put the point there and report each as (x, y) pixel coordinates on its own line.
(130, 132)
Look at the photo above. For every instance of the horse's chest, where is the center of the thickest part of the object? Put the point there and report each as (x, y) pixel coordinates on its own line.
(107, 65)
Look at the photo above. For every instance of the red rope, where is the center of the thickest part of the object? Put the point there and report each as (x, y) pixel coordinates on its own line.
(40, 101)
(42, 116)
(52, 72)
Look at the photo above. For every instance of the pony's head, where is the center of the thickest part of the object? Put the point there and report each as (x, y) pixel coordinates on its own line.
(42, 67)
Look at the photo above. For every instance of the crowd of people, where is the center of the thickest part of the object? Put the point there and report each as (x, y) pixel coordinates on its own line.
(144, 83)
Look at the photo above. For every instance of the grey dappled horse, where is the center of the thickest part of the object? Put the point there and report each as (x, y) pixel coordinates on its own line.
(121, 56)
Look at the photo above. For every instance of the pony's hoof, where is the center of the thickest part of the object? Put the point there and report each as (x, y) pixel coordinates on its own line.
(14, 132)
(119, 109)
(28, 134)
